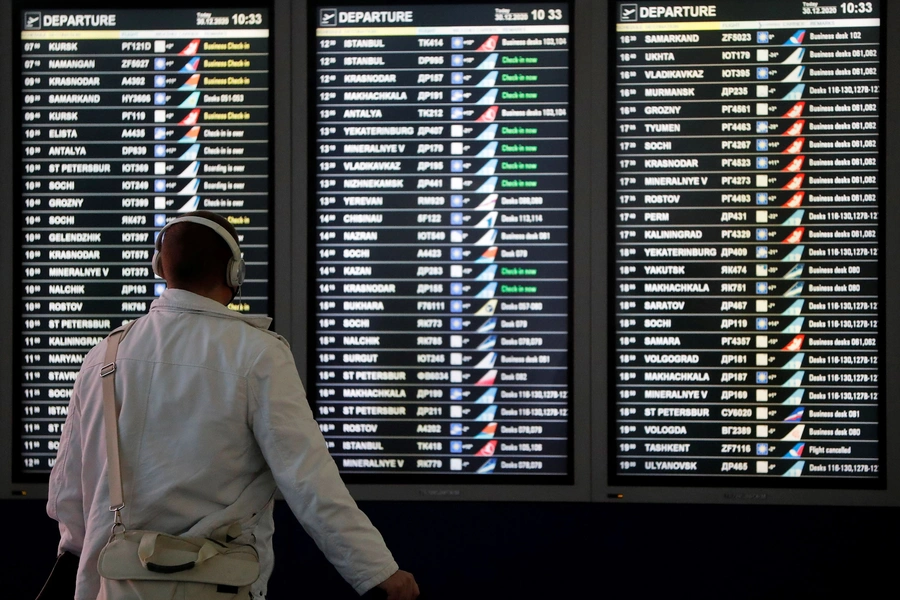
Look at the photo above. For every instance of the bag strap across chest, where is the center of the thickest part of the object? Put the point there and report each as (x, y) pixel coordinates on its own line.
(111, 423)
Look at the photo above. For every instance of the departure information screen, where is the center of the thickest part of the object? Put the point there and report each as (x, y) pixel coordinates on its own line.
(442, 239)
(128, 118)
(748, 193)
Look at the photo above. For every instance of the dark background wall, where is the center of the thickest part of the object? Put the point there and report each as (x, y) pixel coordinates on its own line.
(546, 551)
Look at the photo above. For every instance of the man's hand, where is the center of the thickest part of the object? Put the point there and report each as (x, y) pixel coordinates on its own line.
(400, 586)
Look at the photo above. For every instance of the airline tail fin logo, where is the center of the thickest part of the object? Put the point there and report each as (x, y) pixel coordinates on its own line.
(190, 66)
(795, 399)
(489, 80)
(488, 415)
(795, 327)
(487, 274)
(796, 470)
(489, 45)
(190, 189)
(794, 255)
(488, 396)
(488, 186)
(488, 255)
(488, 309)
(795, 147)
(796, 39)
(488, 133)
(488, 361)
(489, 98)
(191, 136)
(487, 467)
(797, 415)
(795, 165)
(794, 309)
(796, 362)
(488, 203)
(488, 115)
(795, 219)
(795, 58)
(191, 118)
(488, 343)
(488, 291)
(487, 433)
(795, 344)
(795, 183)
(191, 170)
(487, 449)
(190, 101)
(488, 221)
(796, 451)
(488, 151)
(796, 93)
(795, 381)
(488, 238)
(795, 75)
(794, 237)
(794, 290)
(796, 200)
(795, 434)
(191, 83)
(796, 111)
(795, 272)
(191, 205)
(795, 129)
(190, 49)
(489, 167)
(191, 153)
(488, 63)
(488, 325)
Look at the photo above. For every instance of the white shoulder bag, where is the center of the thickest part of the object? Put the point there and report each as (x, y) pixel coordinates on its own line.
(149, 565)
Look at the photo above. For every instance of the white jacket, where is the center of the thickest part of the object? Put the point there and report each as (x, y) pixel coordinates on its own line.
(213, 417)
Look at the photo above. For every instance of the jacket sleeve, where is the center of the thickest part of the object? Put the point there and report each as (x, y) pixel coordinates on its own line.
(307, 476)
(65, 498)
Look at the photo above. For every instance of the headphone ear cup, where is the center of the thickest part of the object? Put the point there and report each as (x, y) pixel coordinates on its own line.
(236, 272)
(157, 264)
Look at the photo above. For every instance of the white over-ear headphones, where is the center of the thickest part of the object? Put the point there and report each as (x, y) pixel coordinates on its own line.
(236, 268)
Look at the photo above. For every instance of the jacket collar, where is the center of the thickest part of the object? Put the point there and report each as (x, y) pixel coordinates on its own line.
(183, 300)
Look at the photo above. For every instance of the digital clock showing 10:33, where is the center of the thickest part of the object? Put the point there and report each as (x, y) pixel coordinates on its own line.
(246, 19)
(858, 8)
(846, 8)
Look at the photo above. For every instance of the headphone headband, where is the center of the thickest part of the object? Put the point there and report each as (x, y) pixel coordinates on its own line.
(235, 273)
(223, 233)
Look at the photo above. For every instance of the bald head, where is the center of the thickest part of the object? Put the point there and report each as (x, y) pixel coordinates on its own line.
(194, 257)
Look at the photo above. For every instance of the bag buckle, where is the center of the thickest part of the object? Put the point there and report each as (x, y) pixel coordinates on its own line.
(108, 369)
(118, 525)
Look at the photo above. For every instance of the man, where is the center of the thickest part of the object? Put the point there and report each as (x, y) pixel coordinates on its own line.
(213, 417)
